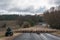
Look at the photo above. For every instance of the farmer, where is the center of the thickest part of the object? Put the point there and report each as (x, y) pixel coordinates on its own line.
(9, 32)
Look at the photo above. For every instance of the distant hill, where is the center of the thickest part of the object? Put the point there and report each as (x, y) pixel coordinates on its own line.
(41, 14)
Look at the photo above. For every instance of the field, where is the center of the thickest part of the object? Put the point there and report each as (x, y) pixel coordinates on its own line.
(16, 29)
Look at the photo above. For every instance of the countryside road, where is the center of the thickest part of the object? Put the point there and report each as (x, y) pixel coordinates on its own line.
(34, 36)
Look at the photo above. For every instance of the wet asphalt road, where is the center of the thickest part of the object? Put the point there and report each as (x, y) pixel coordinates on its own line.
(34, 36)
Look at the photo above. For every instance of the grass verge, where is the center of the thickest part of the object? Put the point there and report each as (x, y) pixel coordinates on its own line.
(57, 33)
(2, 36)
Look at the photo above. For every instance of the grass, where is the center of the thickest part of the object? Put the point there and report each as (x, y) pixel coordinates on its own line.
(2, 36)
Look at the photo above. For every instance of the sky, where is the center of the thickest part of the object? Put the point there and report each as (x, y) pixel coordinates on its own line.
(26, 7)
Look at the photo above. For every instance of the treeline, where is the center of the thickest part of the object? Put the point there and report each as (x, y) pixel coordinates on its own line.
(8, 17)
(52, 17)
(30, 19)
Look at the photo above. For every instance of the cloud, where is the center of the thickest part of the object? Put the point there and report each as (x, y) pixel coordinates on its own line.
(26, 6)
(41, 10)
(54, 2)
(29, 9)
(11, 6)
(57, 2)
(4, 4)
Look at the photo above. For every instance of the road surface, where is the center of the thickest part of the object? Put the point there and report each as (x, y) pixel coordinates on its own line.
(34, 36)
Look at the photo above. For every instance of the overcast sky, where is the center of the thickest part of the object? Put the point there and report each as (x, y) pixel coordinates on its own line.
(25, 7)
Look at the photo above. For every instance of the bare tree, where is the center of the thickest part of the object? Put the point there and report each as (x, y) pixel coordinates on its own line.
(53, 18)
